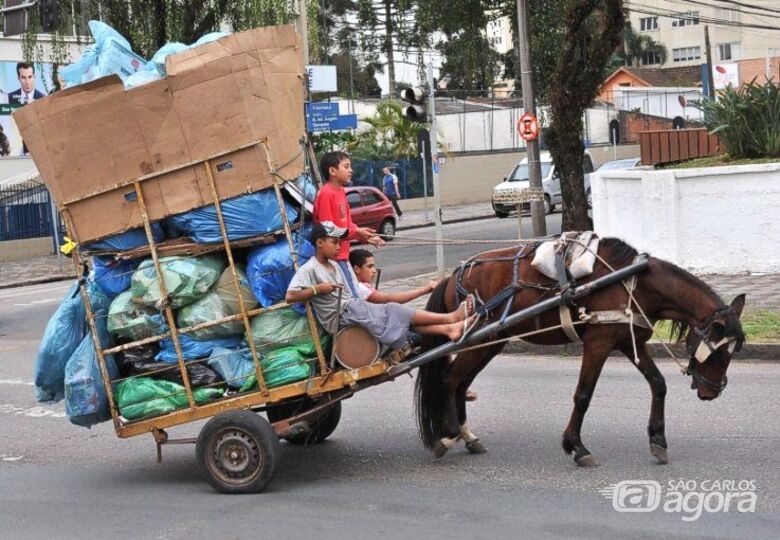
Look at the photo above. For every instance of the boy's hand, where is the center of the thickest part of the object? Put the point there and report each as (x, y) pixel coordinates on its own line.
(365, 233)
(432, 285)
(376, 241)
(327, 288)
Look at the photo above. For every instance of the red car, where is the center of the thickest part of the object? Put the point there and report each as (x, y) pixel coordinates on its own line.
(371, 208)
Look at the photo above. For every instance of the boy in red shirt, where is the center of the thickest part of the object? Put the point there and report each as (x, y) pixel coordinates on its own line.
(331, 205)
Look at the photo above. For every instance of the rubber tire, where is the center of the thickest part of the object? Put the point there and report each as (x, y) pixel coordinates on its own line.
(387, 229)
(261, 433)
(501, 215)
(549, 207)
(320, 430)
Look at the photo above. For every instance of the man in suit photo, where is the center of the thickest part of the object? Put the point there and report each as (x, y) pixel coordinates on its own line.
(27, 93)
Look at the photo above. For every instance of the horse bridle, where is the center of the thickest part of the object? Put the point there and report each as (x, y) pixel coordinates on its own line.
(706, 348)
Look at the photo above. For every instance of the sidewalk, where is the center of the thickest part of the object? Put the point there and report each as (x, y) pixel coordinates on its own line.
(450, 214)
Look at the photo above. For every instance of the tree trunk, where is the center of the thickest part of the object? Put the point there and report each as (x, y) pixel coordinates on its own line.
(567, 150)
(389, 47)
(161, 22)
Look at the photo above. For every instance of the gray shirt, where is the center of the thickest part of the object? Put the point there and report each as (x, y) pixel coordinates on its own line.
(325, 305)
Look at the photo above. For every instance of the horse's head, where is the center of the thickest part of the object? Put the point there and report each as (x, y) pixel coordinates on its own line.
(711, 346)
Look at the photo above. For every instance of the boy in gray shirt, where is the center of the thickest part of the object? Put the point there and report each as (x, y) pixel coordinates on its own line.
(322, 282)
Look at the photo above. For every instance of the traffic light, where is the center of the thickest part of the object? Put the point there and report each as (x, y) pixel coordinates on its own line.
(50, 15)
(415, 108)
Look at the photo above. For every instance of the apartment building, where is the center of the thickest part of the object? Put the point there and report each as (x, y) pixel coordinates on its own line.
(737, 32)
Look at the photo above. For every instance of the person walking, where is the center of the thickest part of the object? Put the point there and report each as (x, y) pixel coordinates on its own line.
(390, 189)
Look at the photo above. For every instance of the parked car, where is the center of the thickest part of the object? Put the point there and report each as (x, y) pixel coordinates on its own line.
(371, 208)
(551, 183)
(620, 164)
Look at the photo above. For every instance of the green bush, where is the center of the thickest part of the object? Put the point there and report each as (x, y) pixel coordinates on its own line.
(746, 120)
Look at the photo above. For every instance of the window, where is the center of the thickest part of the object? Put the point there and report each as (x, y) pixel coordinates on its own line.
(686, 54)
(651, 59)
(587, 164)
(648, 23)
(353, 199)
(626, 84)
(730, 15)
(730, 51)
(689, 18)
(370, 197)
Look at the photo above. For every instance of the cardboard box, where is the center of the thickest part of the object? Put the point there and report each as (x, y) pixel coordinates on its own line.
(239, 98)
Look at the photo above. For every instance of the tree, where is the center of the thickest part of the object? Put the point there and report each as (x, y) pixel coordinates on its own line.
(637, 46)
(390, 136)
(592, 31)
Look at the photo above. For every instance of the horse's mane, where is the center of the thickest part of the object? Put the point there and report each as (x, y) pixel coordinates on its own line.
(620, 252)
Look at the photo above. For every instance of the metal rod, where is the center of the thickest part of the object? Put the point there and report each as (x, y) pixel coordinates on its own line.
(164, 293)
(236, 283)
(515, 318)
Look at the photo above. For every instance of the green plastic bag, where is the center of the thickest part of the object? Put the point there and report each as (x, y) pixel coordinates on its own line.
(280, 367)
(141, 397)
(187, 279)
(126, 319)
(283, 328)
(227, 292)
(209, 308)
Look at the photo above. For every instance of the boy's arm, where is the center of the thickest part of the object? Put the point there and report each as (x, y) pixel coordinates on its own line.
(402, 297)
(304, 293)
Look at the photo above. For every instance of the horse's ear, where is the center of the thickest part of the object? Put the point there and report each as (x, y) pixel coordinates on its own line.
(738, 304)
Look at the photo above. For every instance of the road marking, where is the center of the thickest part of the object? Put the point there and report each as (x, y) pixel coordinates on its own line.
(32, 412)
(17, 381)
(6, 457)
(34, 302)
(27, 291)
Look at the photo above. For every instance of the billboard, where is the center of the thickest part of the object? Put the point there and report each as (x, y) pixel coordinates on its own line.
(17, 88)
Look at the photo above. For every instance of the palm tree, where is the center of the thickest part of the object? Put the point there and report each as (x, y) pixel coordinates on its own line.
(638, 45)
(390, 134)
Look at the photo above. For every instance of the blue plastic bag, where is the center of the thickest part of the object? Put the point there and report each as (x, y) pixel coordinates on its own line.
(245, 216)
(112, 276)
(127, 240)
(233, 365)
(192, 349)
(111, 54)
(64, 332)
(270, 270)
(86, 401)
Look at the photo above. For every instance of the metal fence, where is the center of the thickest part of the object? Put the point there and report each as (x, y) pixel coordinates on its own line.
(26, 212)
(408, 170)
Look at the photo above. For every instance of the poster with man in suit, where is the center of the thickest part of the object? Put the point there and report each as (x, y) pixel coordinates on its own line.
(27, 92)
(20, 84)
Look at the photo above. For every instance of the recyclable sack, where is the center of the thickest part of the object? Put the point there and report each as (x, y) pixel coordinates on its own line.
(249, 215)
(280, 367)
(187, 279)
(86, 401)
(63, 335)
(284, 328)
(134, 238)
(207, 309)
(132, 321)
(192, 349)
(227, 291)
(140, 361)
(233, 365)
(142, 397)
(113, 276)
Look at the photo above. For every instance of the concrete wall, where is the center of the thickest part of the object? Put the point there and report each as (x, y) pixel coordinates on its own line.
(15, 250)
(470, 178)
(715, 219)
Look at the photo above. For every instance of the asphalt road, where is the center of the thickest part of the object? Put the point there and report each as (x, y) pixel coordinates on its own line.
(373, 478)
(400, 261)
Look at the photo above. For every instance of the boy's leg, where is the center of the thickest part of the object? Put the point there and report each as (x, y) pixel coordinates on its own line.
(454, 331)
(425, 318)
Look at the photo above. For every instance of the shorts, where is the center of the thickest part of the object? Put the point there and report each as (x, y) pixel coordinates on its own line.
(388, 323)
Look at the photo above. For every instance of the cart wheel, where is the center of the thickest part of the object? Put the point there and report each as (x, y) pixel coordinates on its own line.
(238, 451)
(321, 429)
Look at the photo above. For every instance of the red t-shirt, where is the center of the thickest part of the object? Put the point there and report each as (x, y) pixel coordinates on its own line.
(331, 205)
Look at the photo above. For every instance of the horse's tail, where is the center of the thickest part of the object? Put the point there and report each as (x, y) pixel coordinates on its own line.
(429, 388)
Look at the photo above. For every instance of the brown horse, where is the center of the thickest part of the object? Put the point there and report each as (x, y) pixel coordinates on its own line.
(712, 332)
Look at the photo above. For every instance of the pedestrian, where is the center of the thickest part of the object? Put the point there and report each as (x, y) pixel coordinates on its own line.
(390, 189)
(325, 285)
(331, 205)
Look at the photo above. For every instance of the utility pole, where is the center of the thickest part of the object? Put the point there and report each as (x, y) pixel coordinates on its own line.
(302, 26)
(529, 105)
(435, 175)
(708, 50)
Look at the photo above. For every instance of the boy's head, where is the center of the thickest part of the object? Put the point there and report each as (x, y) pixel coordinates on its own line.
(326, 237)
(336, 167)
(363, 264)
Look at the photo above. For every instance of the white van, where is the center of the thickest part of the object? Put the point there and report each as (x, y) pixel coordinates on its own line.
(551, 183)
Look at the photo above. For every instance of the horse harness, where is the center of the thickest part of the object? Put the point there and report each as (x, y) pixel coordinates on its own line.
(566, 284)
(707, 348)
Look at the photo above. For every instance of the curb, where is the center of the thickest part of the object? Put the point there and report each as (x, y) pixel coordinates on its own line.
(37, 281)
(760, 351)
(446, 222)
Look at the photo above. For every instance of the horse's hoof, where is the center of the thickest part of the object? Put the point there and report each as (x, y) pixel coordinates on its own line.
(586, 461)
(476, 447)
(439, 449)
(660, 453)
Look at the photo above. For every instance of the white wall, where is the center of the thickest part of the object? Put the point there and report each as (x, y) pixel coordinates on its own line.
(709, 220)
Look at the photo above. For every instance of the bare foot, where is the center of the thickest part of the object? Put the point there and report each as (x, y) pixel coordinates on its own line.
(465, 309)
(457, 329)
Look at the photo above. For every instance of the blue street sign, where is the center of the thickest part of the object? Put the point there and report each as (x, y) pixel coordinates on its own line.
(330, 123)
(322, 109)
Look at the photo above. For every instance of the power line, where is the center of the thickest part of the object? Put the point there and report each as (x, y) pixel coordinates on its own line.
(751, 6)
(707, 4)
(649, 10)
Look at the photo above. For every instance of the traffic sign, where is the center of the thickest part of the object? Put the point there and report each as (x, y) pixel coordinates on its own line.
(528, 127)
(325, 117)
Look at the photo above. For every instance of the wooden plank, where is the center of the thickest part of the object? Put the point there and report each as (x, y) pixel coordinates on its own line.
(644, 148)
(655, 151)
(684, 151)
(664, 140)
(693, 146)
(704, 147)
(674, 145)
